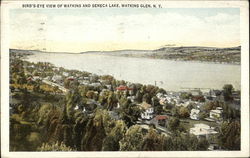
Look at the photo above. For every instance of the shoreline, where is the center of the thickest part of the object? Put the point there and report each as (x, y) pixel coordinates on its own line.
(131, 56)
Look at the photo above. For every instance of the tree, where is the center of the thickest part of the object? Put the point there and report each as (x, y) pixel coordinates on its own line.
(175, 111)
(185, 142)
(111, 142)
(37, 88)
(129, 113)
(146, 98)
(111, 101)
(173, 124)
(152, 141)
(138, 97)
(66, 83)
(95, 133)
(184, 113)
(132, 140)
(55, 89)
(227, 92)
(229, 136)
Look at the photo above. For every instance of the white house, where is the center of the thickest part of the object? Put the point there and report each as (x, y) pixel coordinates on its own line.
(57, 78)
(65, 74)
(148, 111)
(202, 130)
(216, 114)
(195, 114)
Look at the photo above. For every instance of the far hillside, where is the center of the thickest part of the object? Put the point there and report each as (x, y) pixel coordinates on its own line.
(206, 54)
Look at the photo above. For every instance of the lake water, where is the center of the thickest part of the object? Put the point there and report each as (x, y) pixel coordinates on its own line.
(170, 75)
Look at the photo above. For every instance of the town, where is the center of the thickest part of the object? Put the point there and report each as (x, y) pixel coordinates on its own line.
(56, 109)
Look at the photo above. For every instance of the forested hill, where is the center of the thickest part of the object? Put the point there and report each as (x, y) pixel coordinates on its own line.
(212, 54)
(206, 54)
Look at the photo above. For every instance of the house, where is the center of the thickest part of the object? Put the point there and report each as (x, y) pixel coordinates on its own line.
(202, 130)
(195, 114)
(71, 78)
(95, 84)
(148, 111)
(159, 95)
(65, 74)
(161, 120)
(163, 101)
(123, 88)
(216, 114)
(109, 86)
(86, 78)
(83, 82)
(57, 78)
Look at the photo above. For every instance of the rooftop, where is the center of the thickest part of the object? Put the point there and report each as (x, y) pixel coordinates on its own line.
(202, 129)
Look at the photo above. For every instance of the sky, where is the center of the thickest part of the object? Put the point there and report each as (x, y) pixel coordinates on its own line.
(107, 29)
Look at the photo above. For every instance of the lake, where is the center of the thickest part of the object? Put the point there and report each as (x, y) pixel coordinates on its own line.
(167, 74)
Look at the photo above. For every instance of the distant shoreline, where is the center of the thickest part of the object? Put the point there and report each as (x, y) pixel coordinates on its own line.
(168, 53)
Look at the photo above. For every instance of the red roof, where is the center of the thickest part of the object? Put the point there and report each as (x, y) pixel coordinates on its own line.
(122, 88)
(71, 79)
(161, 117)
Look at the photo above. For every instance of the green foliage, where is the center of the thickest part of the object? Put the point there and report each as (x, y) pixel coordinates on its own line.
(132, 140)
(73, 98)
(229, 113)
(111, 142)
(152, 141)
(203, 115)
(175, 111)
(227, 92)
(130, 113)
(185, 142)
(211, 105)
(185, 95)
(173, 124)
(184, 112)
(229, 137)
(94, 134)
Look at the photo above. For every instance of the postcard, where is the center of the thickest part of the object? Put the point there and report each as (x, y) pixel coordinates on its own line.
(124, 79)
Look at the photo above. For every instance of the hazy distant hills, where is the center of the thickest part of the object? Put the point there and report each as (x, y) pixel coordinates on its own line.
(192, 53)
(208, 54)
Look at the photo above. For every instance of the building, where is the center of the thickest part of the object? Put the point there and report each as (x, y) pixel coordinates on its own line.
(202, 130)
(195, 114)
(71, 78)
(57, 78)
(161, 120)
(216, 114)
(123, 88)
(148, 111)
(65, 74)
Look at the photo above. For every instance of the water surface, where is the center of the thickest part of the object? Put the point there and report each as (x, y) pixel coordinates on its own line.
(170, 75)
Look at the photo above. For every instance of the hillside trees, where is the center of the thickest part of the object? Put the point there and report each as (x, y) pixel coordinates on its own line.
(132, 140)
(229, 137)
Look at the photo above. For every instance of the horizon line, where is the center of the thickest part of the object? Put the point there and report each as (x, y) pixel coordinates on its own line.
(165, 46)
